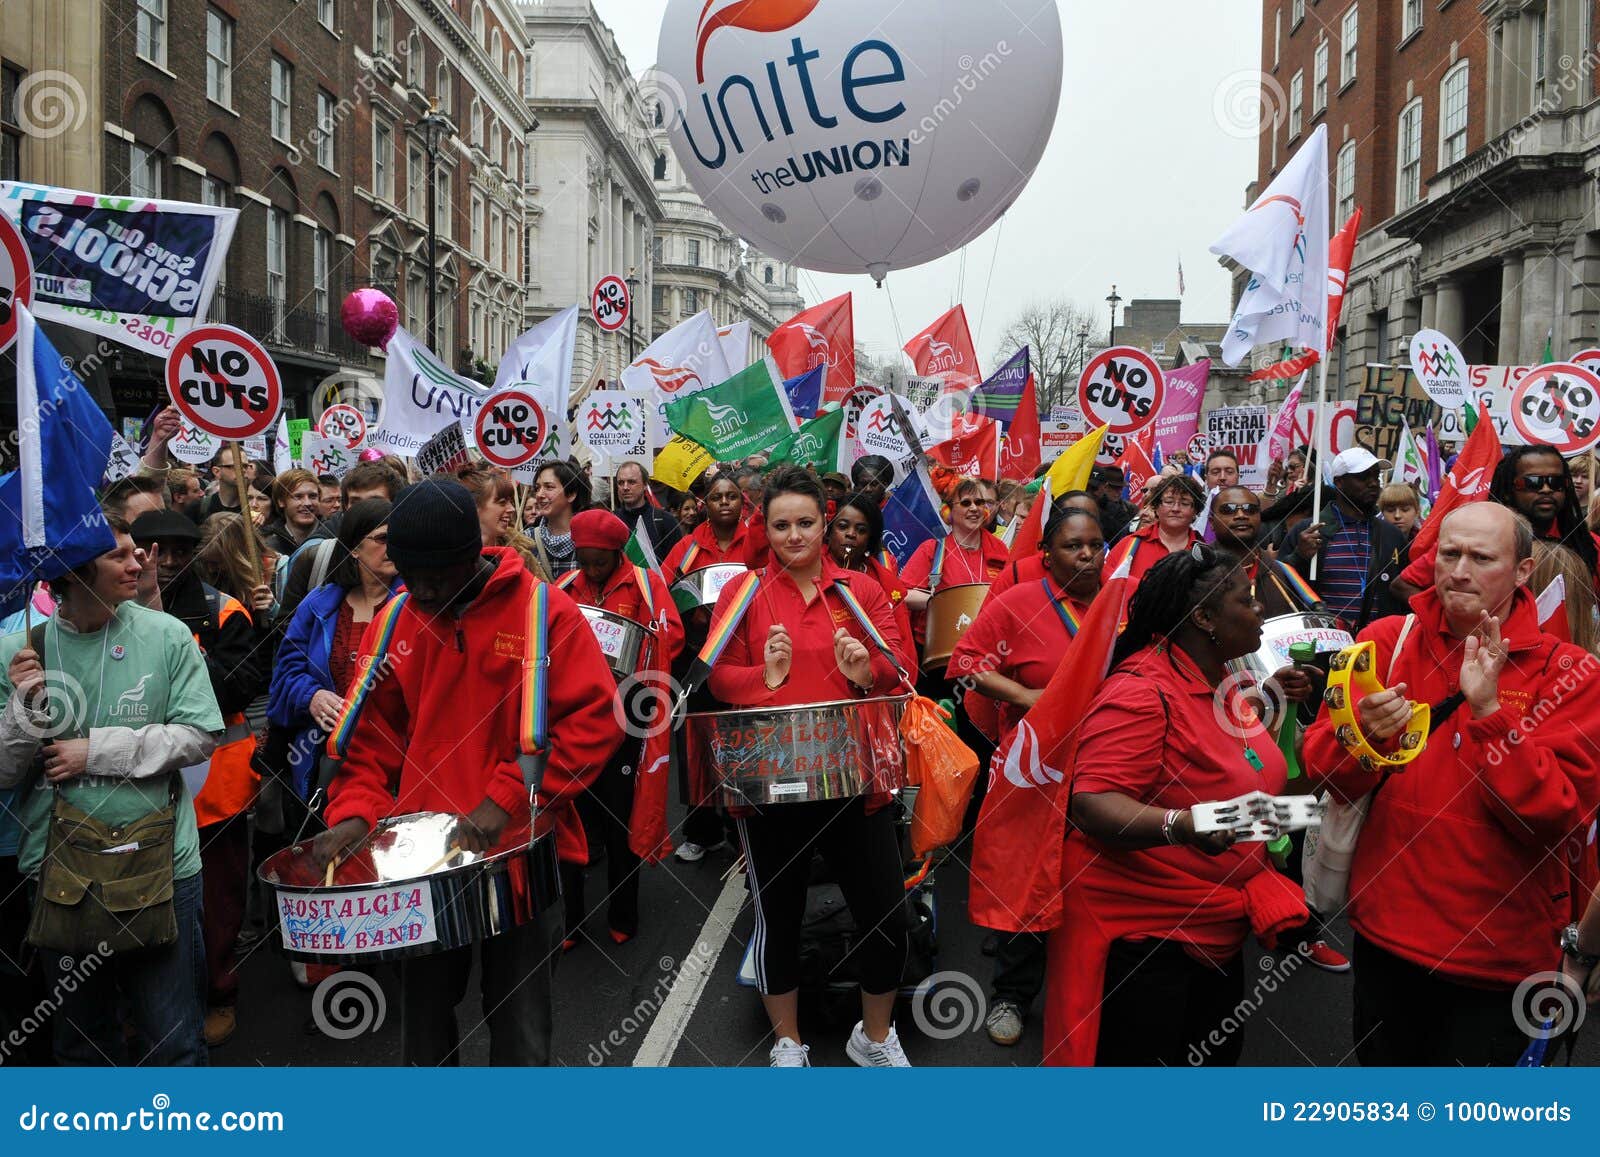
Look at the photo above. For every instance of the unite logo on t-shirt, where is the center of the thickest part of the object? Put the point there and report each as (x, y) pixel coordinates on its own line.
(130, 705)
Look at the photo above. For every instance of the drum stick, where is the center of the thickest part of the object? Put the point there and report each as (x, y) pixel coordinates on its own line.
(327, 879)
(454, 850)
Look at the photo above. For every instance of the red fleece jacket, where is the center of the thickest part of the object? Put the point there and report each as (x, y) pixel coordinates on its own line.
(439, 732)
(1463, 863)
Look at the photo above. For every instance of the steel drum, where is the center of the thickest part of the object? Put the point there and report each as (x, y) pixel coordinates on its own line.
(621, 640)
(409, 891)
(950, 612)
(1278, 634)
(813, 751)
(700, 588)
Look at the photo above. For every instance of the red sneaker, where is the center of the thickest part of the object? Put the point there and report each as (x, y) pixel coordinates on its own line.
(1326, 957)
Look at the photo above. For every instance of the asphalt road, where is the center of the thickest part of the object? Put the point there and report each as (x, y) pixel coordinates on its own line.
(610, 998)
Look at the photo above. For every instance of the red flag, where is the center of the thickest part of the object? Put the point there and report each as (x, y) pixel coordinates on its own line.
(1019, 452)
(1016, 847)
(973, 449)
(1341, 251)
(1137, 460)
(944, 350)
(824, 335)
(1468, 481)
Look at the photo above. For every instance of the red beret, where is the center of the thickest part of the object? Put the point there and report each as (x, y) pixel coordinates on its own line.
(598, 530)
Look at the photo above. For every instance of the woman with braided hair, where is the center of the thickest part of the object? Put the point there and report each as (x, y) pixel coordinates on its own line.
(1147, 961)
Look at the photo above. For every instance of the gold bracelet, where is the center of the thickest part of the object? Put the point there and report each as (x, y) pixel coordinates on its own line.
(1351, 679)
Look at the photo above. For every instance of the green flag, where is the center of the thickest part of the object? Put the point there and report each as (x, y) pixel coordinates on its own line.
(748, 412)
(815, 443)
(1549, 347)
(1470, 419)
(638, 549)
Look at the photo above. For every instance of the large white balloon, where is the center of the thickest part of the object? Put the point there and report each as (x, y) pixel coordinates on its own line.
(858, 136)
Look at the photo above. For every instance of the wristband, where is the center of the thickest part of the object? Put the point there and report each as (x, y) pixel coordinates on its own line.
(1351, 679)
(1167, 823)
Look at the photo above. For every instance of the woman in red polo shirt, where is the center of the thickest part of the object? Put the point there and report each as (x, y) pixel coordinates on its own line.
(855, 542)
(1175, 500)
(798, 643)
(1146, 965)
(1008, 656)
(606, 580)
(718, 540)
(968, 554)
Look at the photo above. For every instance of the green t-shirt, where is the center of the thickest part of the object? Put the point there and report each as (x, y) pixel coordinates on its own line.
(143, 667)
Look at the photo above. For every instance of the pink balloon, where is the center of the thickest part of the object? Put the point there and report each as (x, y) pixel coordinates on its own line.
(370, 317)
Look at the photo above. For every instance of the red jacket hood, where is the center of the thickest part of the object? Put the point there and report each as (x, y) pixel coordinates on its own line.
(1519, 629)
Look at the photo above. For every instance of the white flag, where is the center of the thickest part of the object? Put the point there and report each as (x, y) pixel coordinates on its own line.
(420, 397)
(686, 359)
(543, 357)
(735, 341)
(1283, 241)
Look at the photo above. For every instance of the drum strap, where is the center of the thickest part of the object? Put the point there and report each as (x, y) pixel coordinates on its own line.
(851, 604)
(938, 563)
(371, 668)
(1063, 610)
(722, 630)
(687, 564)
(533, 725)
(1291, 584)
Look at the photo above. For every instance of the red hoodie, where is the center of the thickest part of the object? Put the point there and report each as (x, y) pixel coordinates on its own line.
(442, 726)
(1463, 863)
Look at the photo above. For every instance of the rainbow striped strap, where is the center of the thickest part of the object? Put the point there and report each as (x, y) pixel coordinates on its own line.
(566, 580)
(853, 605)
(1064, 612)
(938, 564)
(367, 679)
(1296, 583)
(722, 630)
(642, 577)
(686, 566)
(886, 559)
(533, 724)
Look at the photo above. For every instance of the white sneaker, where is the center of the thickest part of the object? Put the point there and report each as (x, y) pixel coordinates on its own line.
(788, 1054)
(690, 852)
(875, 1054)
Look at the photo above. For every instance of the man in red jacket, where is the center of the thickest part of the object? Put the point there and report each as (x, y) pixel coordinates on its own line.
(439, 732)
(1466, 867)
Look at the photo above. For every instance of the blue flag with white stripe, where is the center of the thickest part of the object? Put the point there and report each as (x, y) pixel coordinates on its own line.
(911, 515)
(805, 392)
(52, 521)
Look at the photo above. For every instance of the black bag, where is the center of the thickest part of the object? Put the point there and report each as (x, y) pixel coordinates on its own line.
(828, 931)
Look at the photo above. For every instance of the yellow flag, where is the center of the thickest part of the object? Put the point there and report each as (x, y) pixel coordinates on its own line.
(680, 462)
(1071, 470)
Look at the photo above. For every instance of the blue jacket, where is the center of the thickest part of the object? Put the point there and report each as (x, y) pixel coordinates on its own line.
(300, 670)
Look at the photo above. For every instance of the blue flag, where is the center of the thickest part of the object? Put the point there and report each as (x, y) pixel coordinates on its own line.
(52, 522)
(911, 515)
(805, 392)
(1001, 393)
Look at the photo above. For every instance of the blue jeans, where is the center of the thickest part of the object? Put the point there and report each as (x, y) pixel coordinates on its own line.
(162, 990)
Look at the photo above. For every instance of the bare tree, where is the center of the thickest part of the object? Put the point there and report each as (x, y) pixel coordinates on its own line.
(1061, 334)
(888, 372)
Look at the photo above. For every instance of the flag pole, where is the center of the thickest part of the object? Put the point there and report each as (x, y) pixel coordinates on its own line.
(251, 544)
(1320, 434)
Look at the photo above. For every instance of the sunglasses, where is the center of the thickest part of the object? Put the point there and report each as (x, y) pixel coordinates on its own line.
(1531, 482)
(967, 503)
(1238, 508)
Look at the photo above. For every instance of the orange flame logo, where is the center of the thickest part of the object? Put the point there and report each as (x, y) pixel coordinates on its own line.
(751, 15)
(669, 379)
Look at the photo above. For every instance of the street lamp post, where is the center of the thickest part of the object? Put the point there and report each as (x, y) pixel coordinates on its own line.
(1059, 394)
(632, 282)
(433, 129)
(1113, 301)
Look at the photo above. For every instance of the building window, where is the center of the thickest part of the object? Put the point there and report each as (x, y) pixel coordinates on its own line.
(215, 192)
(417, 305)
(527, 74)
(325, 14)
(444, 207)
(1348, 28)
(382, 160)
(1538, 69)
(325, 115)
(477, 33)
(1408, 184)
(144, 171)
(277, 266)
(1381, 325)
(282, 97)
(1297, 85)
(382, 28)
(219, 58)
(10, 130)
(658, 299)
(694, 251)
(1410, 17)
(1272, 157)
(657, 248)
(660, 115)
(494, 50)
(414, 61)
(1297, 13)
(321, 255)
(477, 224)
(1345, 183)
(441, 84)
(495, 153)
(1453, 115)
(766, 275)
(1277, 36)
(661, 166)
(512, 68)
(691, 302)
(477, 125)
(496, 232)
(416, 180)
(150, 32)
(1319, 78)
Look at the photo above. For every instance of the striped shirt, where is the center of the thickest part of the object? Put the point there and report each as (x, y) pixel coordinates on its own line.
(1342, 578)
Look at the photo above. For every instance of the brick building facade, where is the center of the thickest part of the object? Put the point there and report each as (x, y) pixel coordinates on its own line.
(1469, 135)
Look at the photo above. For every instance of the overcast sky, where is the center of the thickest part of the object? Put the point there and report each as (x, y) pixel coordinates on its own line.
(1153, 145)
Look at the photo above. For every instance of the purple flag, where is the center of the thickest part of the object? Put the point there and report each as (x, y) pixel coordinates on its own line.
(1001, 393)
(1434, 463)
(1180, 411)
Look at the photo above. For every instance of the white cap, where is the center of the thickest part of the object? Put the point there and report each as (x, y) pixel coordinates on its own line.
(1356, 460)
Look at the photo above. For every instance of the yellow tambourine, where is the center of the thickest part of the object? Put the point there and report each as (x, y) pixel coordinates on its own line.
(1351, 679)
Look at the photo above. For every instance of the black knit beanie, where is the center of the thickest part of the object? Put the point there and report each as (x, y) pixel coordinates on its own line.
(434, 525)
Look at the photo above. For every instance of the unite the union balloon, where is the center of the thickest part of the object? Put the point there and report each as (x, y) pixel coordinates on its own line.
(854, 136)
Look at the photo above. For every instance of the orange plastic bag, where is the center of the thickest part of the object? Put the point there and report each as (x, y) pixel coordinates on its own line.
(944, 769)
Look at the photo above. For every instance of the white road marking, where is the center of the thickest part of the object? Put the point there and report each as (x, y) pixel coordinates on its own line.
(669, 1025)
